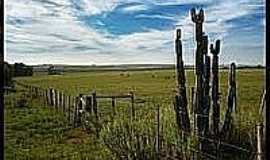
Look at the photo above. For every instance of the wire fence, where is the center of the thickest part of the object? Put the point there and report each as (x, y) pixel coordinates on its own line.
(148, 130)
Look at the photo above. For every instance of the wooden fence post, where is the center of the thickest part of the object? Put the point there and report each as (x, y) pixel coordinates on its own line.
(64, 99)
(80, 109)
(113, 105)
(45, 97)
(158, 134)
(88, 104)
(50, 97)
(132, 104)
(215, 87)
(95, 108)
(55, 99)
(75, 112)
(36, 92)
(58, 100)
(68, 105)
(260, 152)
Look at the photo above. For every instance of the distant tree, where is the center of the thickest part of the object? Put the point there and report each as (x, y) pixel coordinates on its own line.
(21, 69)
(8, 74)
(259, 66)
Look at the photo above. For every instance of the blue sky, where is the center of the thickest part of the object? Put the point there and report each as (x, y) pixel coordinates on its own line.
(85, 32)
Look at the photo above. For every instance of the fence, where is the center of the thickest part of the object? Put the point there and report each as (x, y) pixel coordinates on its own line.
(81, 109)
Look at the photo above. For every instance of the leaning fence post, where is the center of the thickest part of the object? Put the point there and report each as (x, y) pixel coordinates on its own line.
(259, 129)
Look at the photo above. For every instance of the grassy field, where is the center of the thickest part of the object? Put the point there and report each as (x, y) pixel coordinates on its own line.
(160, 84)
(29, 130)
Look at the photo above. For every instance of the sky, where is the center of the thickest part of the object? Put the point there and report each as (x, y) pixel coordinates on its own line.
(101, 32)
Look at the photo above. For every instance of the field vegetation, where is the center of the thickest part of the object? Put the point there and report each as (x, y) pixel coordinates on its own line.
(39, 131)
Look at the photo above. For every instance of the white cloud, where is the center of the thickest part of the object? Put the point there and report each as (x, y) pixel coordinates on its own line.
(55, 33)
(135, 8)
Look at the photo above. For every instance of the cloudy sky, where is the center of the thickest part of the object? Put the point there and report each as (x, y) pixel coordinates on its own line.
(86, 32)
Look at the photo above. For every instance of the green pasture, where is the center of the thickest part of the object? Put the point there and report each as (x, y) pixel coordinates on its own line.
(41, 133)
(158, 84)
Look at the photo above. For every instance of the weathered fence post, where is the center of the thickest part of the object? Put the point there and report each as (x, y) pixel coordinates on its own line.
(63, 102)
(89, 105)
(181, 101)
(206, 85)
(45, 97)
(68, 105)
(75, 111)
(55, 99)
(215, 87)
(113, 105)
(158, 133)
(95, 108)
(80, 109)
(198, 19)
(263, 110)
(94, 98)
(58, 100)
(228, 122)
(132, 105)
(51, 96)
(260, 152)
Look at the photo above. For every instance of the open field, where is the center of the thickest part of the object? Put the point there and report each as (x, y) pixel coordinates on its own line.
(43, 126)
(160, 84)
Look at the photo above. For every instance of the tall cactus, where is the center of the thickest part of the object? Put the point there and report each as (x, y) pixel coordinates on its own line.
(181, 97)
(215, 87)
